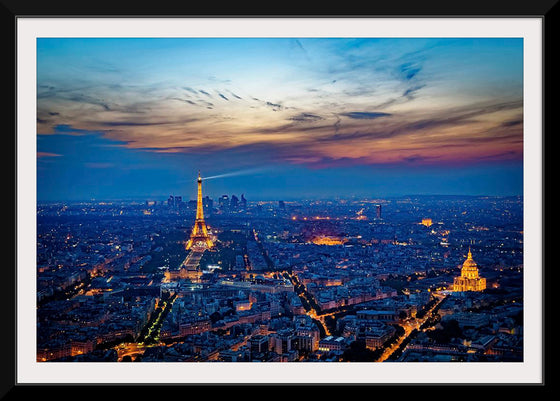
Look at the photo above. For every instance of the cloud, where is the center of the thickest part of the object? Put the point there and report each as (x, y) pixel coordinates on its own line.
(137, 123)
(462, 116)
(99, 165)
(274, 105)
(363, 115)
(70, 130)
(235, 96)
(324, 123)
(184, 100)
(410, 93)
(419, 158)
(47, 154)
(500, 156)
(305, 117)
(336, 125)
(512, 123)
(409, 70)
(189, 89)
(300, 49)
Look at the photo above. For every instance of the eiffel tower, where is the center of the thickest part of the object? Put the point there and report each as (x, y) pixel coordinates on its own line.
(199, 238)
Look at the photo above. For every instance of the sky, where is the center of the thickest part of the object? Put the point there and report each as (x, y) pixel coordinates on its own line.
(278, 118)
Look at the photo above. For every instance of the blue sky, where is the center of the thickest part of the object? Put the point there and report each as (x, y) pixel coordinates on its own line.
(295, 117)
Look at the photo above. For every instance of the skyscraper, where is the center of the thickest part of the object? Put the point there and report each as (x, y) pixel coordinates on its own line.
(224, 202)
(234, 202)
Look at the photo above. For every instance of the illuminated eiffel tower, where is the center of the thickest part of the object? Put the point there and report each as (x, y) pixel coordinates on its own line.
(199, 239)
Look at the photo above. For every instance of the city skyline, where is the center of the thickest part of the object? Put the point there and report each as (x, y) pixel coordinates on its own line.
(294, 117)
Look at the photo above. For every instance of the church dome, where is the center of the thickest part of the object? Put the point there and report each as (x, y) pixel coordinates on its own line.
(469, 263)
(469, 279)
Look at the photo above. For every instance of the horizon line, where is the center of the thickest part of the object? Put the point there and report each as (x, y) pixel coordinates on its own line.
(163, 197)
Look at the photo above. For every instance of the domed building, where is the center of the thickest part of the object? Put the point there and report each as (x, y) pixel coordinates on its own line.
(469, 279)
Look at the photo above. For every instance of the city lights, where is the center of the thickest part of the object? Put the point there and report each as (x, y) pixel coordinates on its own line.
(279, 199)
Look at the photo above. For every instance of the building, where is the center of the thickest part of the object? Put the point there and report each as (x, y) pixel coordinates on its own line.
(234, 202)
(427, 222)
(224, 202)
(258, 344)
(332, 343)
(283, 341)
(375, 336)
(469, 279)
(387, 316)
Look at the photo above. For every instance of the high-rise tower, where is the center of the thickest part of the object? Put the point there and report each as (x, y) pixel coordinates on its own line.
(199, 238)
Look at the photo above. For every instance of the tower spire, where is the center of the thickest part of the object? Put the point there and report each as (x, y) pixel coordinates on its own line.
(199, 236)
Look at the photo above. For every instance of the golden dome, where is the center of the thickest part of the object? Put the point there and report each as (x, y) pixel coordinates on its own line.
(469, 263)
(470, 268)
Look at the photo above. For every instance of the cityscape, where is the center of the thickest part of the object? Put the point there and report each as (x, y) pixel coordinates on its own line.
(428, 278)
(280, 200)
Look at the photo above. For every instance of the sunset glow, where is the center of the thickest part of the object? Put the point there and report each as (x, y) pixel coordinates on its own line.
(146, 106)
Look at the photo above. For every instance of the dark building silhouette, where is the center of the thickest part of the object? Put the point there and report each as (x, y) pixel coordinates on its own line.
(207, 202)
(224, 202)
(234, 202)
(174, 201)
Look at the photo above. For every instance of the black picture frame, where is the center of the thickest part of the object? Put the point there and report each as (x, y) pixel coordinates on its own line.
(11, 10)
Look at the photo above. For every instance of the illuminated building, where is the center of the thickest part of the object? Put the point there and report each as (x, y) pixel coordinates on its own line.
(427, 222)
(199, 235)
(469, 279)
(326, 240)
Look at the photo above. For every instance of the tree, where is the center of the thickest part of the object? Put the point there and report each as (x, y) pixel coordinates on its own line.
(216, 316)
(450, 329)
(358, 352)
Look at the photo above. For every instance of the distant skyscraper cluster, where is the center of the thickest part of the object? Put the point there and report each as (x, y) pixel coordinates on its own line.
(175, 201)
(233, 204)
